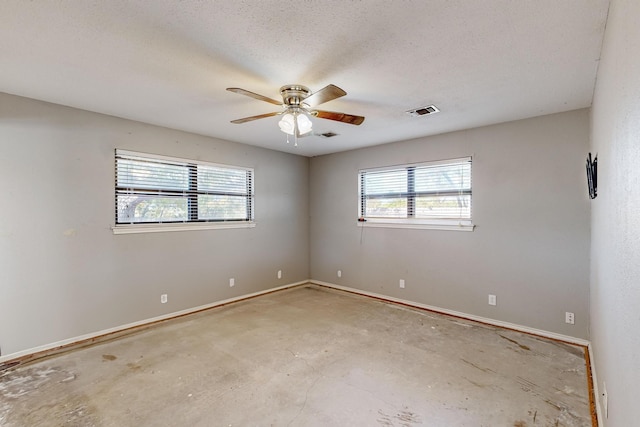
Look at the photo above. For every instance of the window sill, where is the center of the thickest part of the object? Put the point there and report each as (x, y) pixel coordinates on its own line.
(422, 225)
(160, 228)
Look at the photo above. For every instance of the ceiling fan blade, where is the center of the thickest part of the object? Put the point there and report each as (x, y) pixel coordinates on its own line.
(253, 95)
(339, 117)
(248, 119)
(326, 94)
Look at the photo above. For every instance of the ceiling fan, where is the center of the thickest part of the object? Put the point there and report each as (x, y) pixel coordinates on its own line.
(298, 103)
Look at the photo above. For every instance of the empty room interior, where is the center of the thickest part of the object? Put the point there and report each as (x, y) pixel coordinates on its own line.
(289, 213)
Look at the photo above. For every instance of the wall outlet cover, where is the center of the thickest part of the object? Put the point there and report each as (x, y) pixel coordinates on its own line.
(569, 318)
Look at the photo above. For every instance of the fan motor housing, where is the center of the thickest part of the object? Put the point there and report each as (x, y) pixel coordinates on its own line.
(293, 95)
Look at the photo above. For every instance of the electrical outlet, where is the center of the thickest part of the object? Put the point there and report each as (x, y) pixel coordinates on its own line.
(339, 273)
(493, 300)
(402, 283)
(232, 282)
(605, 400)
(569, 318)
(163, 298)
(279, 274)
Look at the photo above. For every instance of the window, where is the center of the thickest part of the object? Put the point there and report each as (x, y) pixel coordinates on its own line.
(179, 194)
(426, 195)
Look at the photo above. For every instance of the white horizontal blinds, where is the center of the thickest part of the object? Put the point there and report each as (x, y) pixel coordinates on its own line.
(385, 193)
(432, 191)
(443, 191)
(149, 191)
(224, 193)
(153, 189)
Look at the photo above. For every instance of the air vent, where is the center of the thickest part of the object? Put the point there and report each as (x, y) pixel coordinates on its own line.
(423, 111)
(328, 134)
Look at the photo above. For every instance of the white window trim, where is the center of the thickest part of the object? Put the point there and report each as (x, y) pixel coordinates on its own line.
(412, 223)
(160, 228)
(449, 225)
(136, 228)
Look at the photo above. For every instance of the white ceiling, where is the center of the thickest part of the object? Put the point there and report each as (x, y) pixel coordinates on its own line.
(168, 62)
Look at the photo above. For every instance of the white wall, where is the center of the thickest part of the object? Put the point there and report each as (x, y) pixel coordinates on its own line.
(62, 271)
(615, 253)
(530, 205)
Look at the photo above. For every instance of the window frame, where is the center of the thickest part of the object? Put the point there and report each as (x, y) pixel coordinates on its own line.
(454, 224)
(191, 194)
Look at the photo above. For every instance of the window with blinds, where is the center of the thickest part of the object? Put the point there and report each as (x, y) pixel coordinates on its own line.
(158, 190)
(434, 193)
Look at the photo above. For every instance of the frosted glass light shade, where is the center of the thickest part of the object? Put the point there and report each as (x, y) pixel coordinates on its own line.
(287, 124)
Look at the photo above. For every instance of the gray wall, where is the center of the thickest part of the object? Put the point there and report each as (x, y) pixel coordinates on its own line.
(530, 205)
(615, 253)
(62, 271)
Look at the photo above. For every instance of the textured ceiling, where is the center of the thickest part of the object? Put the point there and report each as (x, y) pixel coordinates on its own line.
(168, 62)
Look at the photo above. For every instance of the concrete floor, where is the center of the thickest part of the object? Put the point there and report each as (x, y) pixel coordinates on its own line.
(307, 356)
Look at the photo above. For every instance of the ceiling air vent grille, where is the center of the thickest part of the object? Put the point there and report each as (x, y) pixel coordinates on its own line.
(328, 134)
(423, 111)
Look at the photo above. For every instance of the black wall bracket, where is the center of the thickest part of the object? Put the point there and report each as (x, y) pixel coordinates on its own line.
(592, 176)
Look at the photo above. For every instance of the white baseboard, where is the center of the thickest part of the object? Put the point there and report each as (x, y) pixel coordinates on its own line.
(71, 341)
(494, 322)
(596, 392)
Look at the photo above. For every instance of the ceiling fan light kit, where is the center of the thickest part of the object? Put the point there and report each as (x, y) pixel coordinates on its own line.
(298, 102)
(295, 123)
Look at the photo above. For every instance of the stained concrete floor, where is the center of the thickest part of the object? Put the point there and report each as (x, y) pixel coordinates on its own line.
(308, 356)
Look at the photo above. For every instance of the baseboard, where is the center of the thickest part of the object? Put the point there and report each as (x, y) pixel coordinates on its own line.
(596, 392)
(46, 350)
(486, 320)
